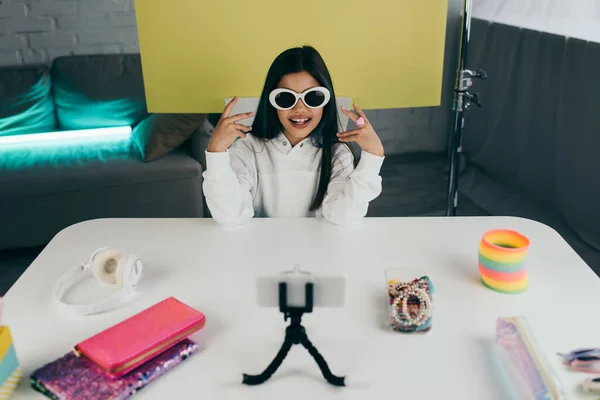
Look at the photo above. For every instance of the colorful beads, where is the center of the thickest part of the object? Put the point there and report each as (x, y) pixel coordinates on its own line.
(411, 305)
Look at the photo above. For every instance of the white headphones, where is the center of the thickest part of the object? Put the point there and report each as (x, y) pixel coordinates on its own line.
(108, 266)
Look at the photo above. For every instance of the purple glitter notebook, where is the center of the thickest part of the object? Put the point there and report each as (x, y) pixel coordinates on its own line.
(70, 377)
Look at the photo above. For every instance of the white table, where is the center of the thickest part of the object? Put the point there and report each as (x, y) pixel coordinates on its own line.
(192, 258)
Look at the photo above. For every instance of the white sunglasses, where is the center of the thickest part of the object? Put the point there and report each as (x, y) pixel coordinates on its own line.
(286, 99)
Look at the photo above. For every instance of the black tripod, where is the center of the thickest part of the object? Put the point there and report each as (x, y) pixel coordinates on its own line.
(462, 103)
(294, 334)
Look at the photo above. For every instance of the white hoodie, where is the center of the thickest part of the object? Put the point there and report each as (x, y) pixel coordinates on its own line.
(273, 179)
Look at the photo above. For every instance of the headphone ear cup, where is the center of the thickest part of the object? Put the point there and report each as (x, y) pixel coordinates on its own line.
(101, 249)
(106, 266)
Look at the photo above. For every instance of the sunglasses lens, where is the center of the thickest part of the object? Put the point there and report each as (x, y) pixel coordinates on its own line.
(587, 358)
(285, 100)
(316, 98)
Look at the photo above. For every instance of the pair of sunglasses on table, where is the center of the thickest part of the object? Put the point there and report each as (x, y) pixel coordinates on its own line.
(588, 361)
(584, 360)
(286, 99)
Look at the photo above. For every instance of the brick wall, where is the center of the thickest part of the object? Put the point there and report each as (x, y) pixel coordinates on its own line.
(37, 31)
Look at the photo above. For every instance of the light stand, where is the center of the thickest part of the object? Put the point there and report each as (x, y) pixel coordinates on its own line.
(295, 334)
(462, 103)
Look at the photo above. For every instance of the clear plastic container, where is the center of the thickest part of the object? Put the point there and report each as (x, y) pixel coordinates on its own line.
(410, 300)
(528, 373)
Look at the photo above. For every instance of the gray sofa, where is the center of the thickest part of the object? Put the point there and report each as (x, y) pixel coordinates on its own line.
(44, 189)
(533, 150)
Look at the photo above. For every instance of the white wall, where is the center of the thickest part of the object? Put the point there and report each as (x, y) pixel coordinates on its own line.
(572, 18)
(37, 31)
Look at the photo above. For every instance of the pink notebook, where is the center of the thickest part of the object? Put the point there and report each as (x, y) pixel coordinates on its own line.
(130, 343)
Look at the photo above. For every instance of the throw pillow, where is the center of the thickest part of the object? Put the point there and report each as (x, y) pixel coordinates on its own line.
(98, 90)
(26, 104)
(159, 134)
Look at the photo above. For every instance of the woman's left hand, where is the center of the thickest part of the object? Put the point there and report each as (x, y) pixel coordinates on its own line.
(364, 135)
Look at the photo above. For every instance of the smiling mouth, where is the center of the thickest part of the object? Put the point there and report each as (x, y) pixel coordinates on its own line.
(300, 122)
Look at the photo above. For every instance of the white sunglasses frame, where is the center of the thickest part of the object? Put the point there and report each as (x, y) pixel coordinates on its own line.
(299, 96)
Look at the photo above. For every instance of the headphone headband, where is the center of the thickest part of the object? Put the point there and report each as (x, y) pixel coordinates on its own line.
(130, 268)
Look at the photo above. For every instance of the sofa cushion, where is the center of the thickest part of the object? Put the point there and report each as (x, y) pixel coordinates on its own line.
(26, 104)
(94, 91)
(38, 199)
(38, 170)
(159, 134)
(413, 184)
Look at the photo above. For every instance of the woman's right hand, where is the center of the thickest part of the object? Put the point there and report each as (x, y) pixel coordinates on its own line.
(228, 129)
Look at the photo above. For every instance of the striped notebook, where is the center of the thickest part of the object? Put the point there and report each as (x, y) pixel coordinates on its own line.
(10, 373)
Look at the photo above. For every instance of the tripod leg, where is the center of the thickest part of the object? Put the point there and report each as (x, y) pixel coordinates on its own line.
(270, 370)
(327, 374)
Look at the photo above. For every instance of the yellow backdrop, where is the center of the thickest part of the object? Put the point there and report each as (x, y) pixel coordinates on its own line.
(381, 53)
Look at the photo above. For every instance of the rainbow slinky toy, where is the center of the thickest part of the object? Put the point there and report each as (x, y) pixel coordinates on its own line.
(502, 255)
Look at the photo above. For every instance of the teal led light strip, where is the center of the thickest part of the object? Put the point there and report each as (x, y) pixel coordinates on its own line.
(114, 132)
